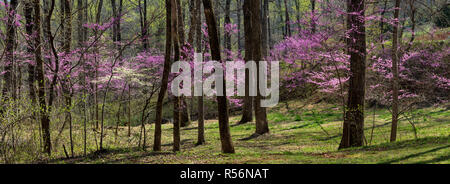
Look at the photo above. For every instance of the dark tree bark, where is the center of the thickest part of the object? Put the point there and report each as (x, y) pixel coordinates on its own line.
(201, 117)
(288, 21)
(80, 21)
(40, 77)
(185, 119)
(265, 28)
(247, 114)
(353, 131)
(225, 136)
(9, 50)
(176, 100)
(66, 83)
(227, 37)
(192, 22)
(238, 15)
(262, 126)
(313, 9)
(114, 27)
(28, 11)
(98, 16)
(165, 78)
(281, 21)
(395, 58)
(144, 23)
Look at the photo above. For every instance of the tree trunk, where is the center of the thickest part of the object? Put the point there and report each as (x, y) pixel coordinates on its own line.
(28, 11)
(238, 15)
(165, 78)
(185, 119)
(40, 77)
(395, 86)
(281, 21)
(227, 37)
(201, 117)
(176, 100)
(288, 21)
(262, 126)
(353, 131)
(9, 50)
(225, 136)
(265, 28)
(313, 22)
(247, 114)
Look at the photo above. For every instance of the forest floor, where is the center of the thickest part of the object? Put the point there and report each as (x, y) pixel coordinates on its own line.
(309, 136)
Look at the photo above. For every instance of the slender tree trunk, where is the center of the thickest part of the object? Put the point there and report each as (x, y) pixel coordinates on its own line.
(145, 30)
(288, 21)
(129, 110)
(395, 59)
(176, 100)
(247, 114)
(40, 76)
(265, 28)
(67, 19)
(297, 7)
(227, 37)
(238, 15)
(353, 131)
(97, 21)
(28, 11)
(185, 119)
(165, 78)
(313, 12)
(114, 14)
(201, 118)
(225, 136)
(9, 50)
(281, 21)
(98, 16)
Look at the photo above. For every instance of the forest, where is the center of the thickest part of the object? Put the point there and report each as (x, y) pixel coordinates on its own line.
(354, 81)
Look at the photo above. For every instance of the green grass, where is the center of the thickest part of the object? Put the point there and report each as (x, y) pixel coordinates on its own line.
(298, 136)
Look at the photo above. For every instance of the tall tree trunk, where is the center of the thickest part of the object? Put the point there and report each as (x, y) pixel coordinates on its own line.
(114, 14)
(227, 37)
(288, 21)
(238, 15)
(297, 7)
(247, 114)
(281, 21)
(265, 28)
(28, 11)
(80, 21)
(225, 136)
(67, 29)
(9, 50)
(165, 78)
(313, 10)
(185, 119)
(262, 125)
(395, 58)
(192, 28)
(176, 100)
(40, 77)
(98, 16)
(144, 25)
(353, 131)
(201, 117)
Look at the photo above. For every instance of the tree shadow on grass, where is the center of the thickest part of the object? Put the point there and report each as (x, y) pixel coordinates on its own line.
(419, 154)
(93, 155)
(434, 160)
